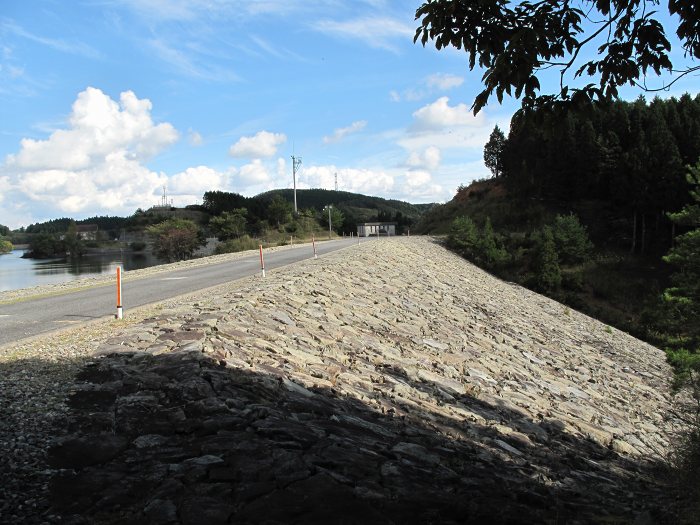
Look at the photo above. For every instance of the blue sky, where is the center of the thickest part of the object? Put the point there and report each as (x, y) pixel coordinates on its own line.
(104, 102)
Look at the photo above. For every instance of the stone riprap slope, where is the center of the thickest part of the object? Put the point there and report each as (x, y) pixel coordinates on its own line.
(391, 382)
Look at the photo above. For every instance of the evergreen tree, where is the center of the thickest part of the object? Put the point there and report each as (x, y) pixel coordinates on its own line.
(571, 239)
(464, 237)
(493, 152)
(491, 253)
(684, 302)
(548, 271)
(73, 244)
(279, 211)
(337, 218)
(684, 296)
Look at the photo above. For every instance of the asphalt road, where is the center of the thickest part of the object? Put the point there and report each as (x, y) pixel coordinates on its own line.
(37, 316)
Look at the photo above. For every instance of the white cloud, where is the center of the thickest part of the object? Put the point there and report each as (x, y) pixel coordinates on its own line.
(430, 84)
(262, 145)
(416, 179)
(418, 184)
(378, 32)
(444, 81)
(95, 164)
(340, 133)
(254, 173)
(4, 187)
(440, 114)
(429, 158)
(281, 168)
(197, 180)
(367, 181)
(98, 127)
(195, 138)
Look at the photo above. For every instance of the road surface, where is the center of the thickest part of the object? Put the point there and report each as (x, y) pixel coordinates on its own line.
(45, 314)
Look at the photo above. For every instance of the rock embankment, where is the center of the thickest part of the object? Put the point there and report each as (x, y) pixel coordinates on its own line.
(391, 382)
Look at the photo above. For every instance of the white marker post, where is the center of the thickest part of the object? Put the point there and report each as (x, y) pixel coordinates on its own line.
(120, 312)
(313, 241)
(262, 262)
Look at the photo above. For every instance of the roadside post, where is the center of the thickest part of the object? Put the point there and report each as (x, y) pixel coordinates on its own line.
(120, 312)
(313, 242)
(262, 262)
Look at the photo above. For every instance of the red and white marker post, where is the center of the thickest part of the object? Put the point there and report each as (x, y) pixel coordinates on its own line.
(262, 262)
(313, 242)
(120, 311)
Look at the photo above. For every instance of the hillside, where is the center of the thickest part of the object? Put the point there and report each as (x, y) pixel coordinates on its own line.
(327, 391)
(356, 207)
(617, 287)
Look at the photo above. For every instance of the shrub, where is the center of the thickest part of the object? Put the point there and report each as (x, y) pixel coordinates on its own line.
(685, 456)
(175, 239)
(137, 246)
(464, 237)
(571, 239)
(491, 252)
(548, 271)
(237, 245)
(5, 246)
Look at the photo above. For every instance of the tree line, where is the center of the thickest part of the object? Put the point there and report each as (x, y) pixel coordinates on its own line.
(630, 156)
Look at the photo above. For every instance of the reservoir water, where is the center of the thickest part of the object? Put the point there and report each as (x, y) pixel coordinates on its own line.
(16, 272)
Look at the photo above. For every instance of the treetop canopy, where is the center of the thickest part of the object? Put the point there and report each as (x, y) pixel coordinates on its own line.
(516, 42)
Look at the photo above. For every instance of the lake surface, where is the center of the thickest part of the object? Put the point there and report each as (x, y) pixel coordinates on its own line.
(16, 272)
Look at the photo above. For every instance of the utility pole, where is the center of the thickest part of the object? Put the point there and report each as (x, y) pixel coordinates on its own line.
(336, 181)
(330, 226)
(296, 162)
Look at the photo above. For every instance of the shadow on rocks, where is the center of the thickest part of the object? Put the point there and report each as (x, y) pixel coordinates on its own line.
(178, 438)
(32, 395)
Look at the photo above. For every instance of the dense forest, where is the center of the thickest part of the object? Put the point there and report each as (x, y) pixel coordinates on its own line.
(630, 156)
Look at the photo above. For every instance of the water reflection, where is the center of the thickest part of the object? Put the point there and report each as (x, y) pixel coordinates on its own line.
(16, 272)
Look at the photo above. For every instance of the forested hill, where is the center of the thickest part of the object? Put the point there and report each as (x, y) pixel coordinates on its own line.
(620, 167)
(319, 198)
(355, 207)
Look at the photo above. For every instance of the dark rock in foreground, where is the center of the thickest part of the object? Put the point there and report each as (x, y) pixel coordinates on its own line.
(212, 444)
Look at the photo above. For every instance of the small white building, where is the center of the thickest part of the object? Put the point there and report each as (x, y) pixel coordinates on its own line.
(368, 229)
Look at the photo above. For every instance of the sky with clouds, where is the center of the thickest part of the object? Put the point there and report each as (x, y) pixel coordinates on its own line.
(105, 102)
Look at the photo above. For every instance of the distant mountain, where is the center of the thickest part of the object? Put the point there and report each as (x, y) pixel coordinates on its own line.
(356, 207)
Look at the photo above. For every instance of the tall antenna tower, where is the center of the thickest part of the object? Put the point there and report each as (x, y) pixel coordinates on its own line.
(336, 181)
(296, 162)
